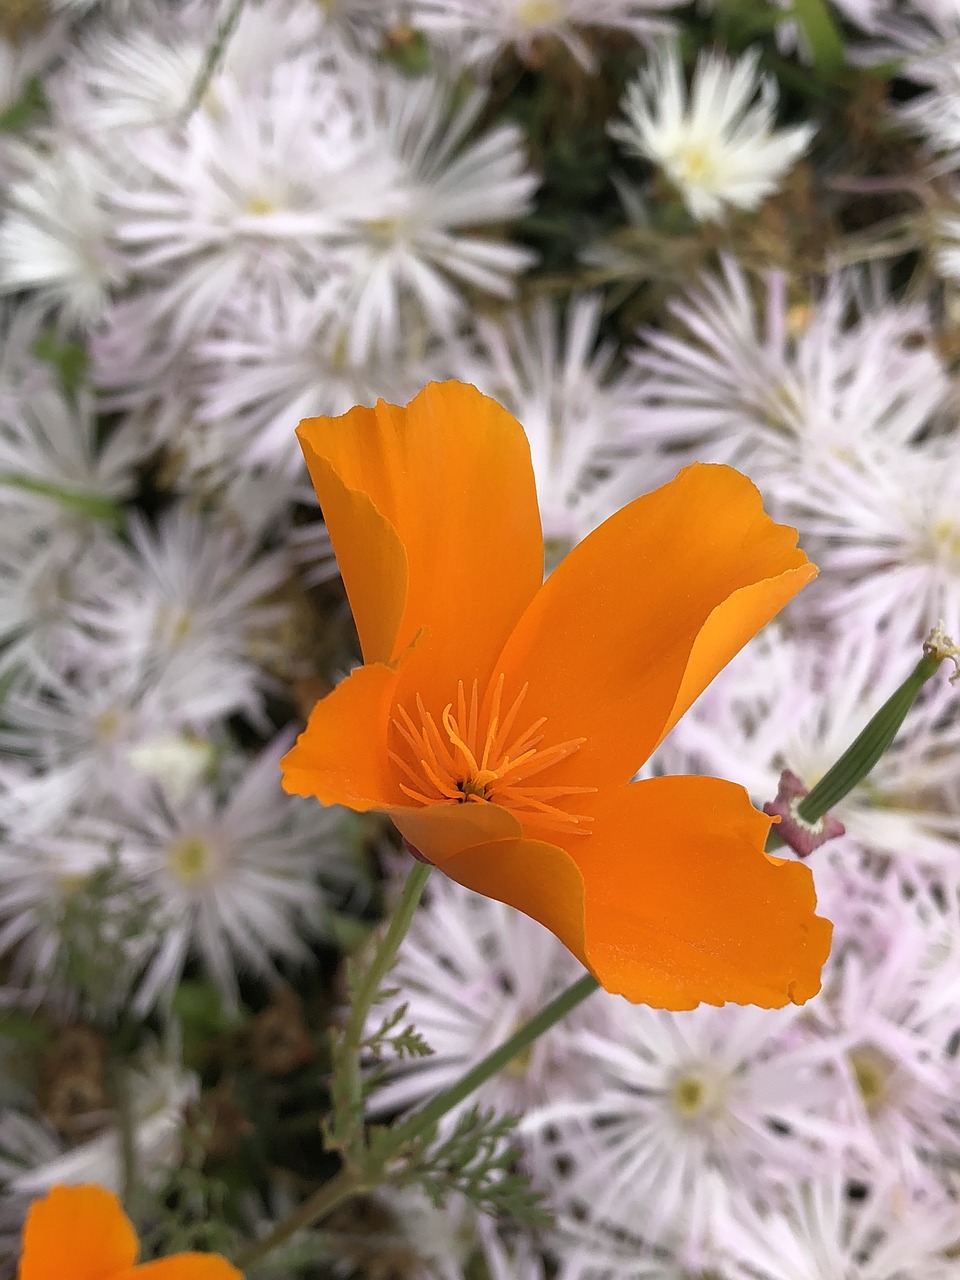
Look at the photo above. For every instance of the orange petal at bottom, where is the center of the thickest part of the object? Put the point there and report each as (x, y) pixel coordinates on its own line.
(77, 1233)
(682, 905)
(441, 831)
(185, 1266)
(538, 879)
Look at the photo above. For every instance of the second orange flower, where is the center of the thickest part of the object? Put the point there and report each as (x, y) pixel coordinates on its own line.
(499, 719)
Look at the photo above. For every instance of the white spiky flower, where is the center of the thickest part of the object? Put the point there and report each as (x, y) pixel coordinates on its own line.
(47, 581)
(829, 1228)
(45, 875)
(237, 200)
(744, 375)
(54, 470)
(234, 873)
(193, 585)
(738, 1091)
(884, 523)
(56, 235)
(893, 1021)
(141, 72)
(73, 739)
(718, 145)
(277, 359)
(415, 238)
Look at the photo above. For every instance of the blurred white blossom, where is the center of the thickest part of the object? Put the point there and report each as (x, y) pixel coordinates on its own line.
(718, 144)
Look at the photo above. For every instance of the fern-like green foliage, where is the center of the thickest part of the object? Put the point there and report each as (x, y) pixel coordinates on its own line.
(391, 1037)
(99, 924)
(476, 1158)
(191, 1211)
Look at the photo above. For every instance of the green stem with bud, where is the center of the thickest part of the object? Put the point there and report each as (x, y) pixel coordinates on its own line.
(869, 745)
(867, 748)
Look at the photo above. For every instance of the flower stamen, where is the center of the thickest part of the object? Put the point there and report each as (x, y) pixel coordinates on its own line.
(462, 764)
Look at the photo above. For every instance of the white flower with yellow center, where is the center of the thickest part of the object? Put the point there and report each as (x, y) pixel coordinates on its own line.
(674, 1098)
(747, 372)
(717, 144)
(56, 235)
(235, 876)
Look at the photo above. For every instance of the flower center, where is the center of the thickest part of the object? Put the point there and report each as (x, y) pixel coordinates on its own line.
(696, 164)
(192, 859)
(539, 13)
(946, 540)
(260, 206)
(694, 1095)
(872, 1071)
(474, 758)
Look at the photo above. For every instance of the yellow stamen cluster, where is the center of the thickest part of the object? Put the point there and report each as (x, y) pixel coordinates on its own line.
(463, 761)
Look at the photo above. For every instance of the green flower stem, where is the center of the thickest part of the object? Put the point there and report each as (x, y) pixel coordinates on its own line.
(126, 1123)
(344, 1186)
(867, 748)
(370, 984)
(495, 1061)
(213, 59)
(350, 1182)
(93, 505)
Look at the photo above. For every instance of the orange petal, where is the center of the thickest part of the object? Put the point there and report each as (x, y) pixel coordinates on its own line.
(451, 475)
(341, 756)
(372, 560)
(440, 831)
(630, 626)
(79, 1233)
(537, 878)
(728, 629)
(682, 905)
(186, 1266)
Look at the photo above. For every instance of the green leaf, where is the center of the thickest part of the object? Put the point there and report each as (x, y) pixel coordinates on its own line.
(200, 1011)
(69, 360)
(21, 113)
(820, 30)
(347, 931)
(93, 505)
(23, 1030)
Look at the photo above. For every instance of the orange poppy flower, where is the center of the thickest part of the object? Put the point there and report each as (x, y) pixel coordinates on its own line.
(498, 719)
(82, 1233)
